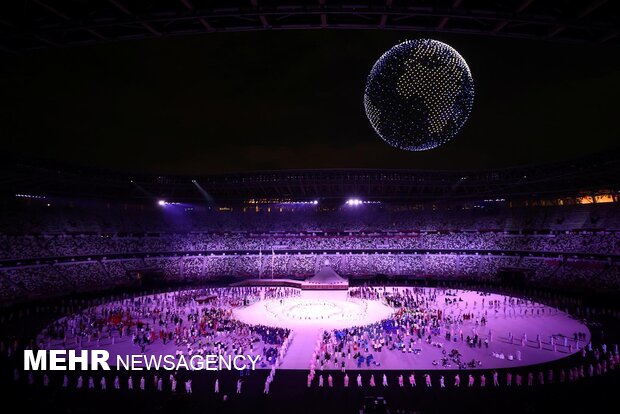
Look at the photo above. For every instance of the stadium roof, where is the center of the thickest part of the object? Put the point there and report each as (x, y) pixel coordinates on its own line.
(36, 24)
(586, 176)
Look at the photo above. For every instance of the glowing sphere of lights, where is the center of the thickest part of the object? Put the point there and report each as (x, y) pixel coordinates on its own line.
(419, 94)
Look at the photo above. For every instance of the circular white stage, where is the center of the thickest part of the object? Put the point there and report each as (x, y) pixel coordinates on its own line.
(314, 309)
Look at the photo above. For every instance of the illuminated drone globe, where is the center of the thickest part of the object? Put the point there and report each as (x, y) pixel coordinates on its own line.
(419, 94)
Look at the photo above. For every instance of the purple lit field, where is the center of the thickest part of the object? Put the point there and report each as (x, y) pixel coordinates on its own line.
(308, 314)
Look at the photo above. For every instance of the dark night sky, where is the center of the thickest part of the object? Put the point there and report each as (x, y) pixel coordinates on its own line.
(281, 100)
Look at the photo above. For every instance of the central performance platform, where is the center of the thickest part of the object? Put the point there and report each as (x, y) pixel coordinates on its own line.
(325, 279)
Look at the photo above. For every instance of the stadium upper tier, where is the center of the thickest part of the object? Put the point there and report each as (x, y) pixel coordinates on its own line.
(38, 232)
(51, 217)
(16, 248)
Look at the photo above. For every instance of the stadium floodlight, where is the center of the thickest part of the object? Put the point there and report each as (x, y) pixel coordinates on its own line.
(164, 203)
(358, 202)
(29, 196)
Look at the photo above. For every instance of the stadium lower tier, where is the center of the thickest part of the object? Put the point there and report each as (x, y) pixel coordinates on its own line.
(27, 281)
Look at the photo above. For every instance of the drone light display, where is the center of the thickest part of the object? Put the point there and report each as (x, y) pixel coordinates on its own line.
(419, 94)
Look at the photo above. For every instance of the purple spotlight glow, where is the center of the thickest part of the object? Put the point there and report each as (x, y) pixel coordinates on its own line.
(164, 203)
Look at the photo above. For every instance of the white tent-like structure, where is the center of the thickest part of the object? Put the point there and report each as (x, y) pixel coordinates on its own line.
(327, 277)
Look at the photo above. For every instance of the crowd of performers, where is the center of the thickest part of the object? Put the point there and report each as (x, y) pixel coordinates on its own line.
(420, 316)
(177, 317)
(594, 362)
(196, 322)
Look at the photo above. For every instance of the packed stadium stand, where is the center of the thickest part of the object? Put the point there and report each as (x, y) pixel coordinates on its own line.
(48, 251)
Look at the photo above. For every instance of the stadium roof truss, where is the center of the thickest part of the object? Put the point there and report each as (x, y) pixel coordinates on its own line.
(36, 24)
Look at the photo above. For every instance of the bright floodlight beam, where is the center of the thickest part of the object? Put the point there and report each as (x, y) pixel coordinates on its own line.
(210, 201)
(141, 189)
